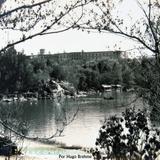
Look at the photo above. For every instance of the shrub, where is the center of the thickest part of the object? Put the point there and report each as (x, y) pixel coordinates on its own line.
(127, 137)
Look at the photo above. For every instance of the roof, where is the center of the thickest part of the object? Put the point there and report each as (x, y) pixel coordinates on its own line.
(106, 86)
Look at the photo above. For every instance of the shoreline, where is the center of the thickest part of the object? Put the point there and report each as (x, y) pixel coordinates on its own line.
(39, 151)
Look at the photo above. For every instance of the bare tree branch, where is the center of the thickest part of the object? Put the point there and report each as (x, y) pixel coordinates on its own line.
(120, 32)
(23, 7)
(46, 29)
(150, 23)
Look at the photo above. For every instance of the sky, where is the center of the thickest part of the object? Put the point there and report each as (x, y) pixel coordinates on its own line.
(73, 40)
(76, 40)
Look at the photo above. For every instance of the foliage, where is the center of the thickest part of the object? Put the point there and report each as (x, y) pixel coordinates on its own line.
(147, 78)
(128, 137)
(21, 73)
(11, 70)
(107, 71)
(58, 72)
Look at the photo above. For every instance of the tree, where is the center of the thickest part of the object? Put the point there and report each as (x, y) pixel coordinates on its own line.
(143, 28)
(147, 78)
(29, 19)
(12, 67)
(57, 72)
(128, 136)
(128, 72)
(89, 79)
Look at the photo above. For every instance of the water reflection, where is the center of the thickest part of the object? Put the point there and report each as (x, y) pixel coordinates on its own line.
(11, 119)
(60, 116)
(76, 122)
(63, 115)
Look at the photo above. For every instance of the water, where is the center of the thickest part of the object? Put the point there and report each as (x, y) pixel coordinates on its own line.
(79, 120)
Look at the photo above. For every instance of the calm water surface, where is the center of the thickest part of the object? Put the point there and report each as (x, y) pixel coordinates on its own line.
(46, 116)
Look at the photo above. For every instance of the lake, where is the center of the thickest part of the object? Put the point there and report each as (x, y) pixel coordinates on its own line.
(78, 120)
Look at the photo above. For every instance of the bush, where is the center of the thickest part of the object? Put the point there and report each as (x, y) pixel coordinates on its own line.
(127, 137)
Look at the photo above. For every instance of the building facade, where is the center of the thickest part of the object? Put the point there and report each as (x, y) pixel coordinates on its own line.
(84, 56)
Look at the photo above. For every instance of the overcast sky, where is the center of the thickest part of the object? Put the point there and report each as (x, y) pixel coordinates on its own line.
(73, 40)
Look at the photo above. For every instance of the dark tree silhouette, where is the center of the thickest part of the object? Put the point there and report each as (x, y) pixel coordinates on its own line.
(129, 136)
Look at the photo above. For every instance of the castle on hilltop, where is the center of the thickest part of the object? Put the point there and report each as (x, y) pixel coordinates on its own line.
(81, 56)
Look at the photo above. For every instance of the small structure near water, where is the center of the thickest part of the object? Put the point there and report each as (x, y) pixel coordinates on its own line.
(108, 90)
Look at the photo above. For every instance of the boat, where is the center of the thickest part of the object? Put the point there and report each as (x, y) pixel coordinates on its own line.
(81, 94)
(30, 96)
(6, 99)
(22, 99)
(108, 98)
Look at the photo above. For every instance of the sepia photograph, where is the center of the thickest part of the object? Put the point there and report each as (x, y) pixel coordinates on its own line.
(79, 79)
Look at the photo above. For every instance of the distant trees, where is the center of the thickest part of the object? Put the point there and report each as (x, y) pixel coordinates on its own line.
(19, 72)
(12, 65)
(89, 79)
(147, 79)
(128, 72)
(58, 72)
(107, 71)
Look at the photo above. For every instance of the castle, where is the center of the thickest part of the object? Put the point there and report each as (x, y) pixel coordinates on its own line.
(82, 56)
